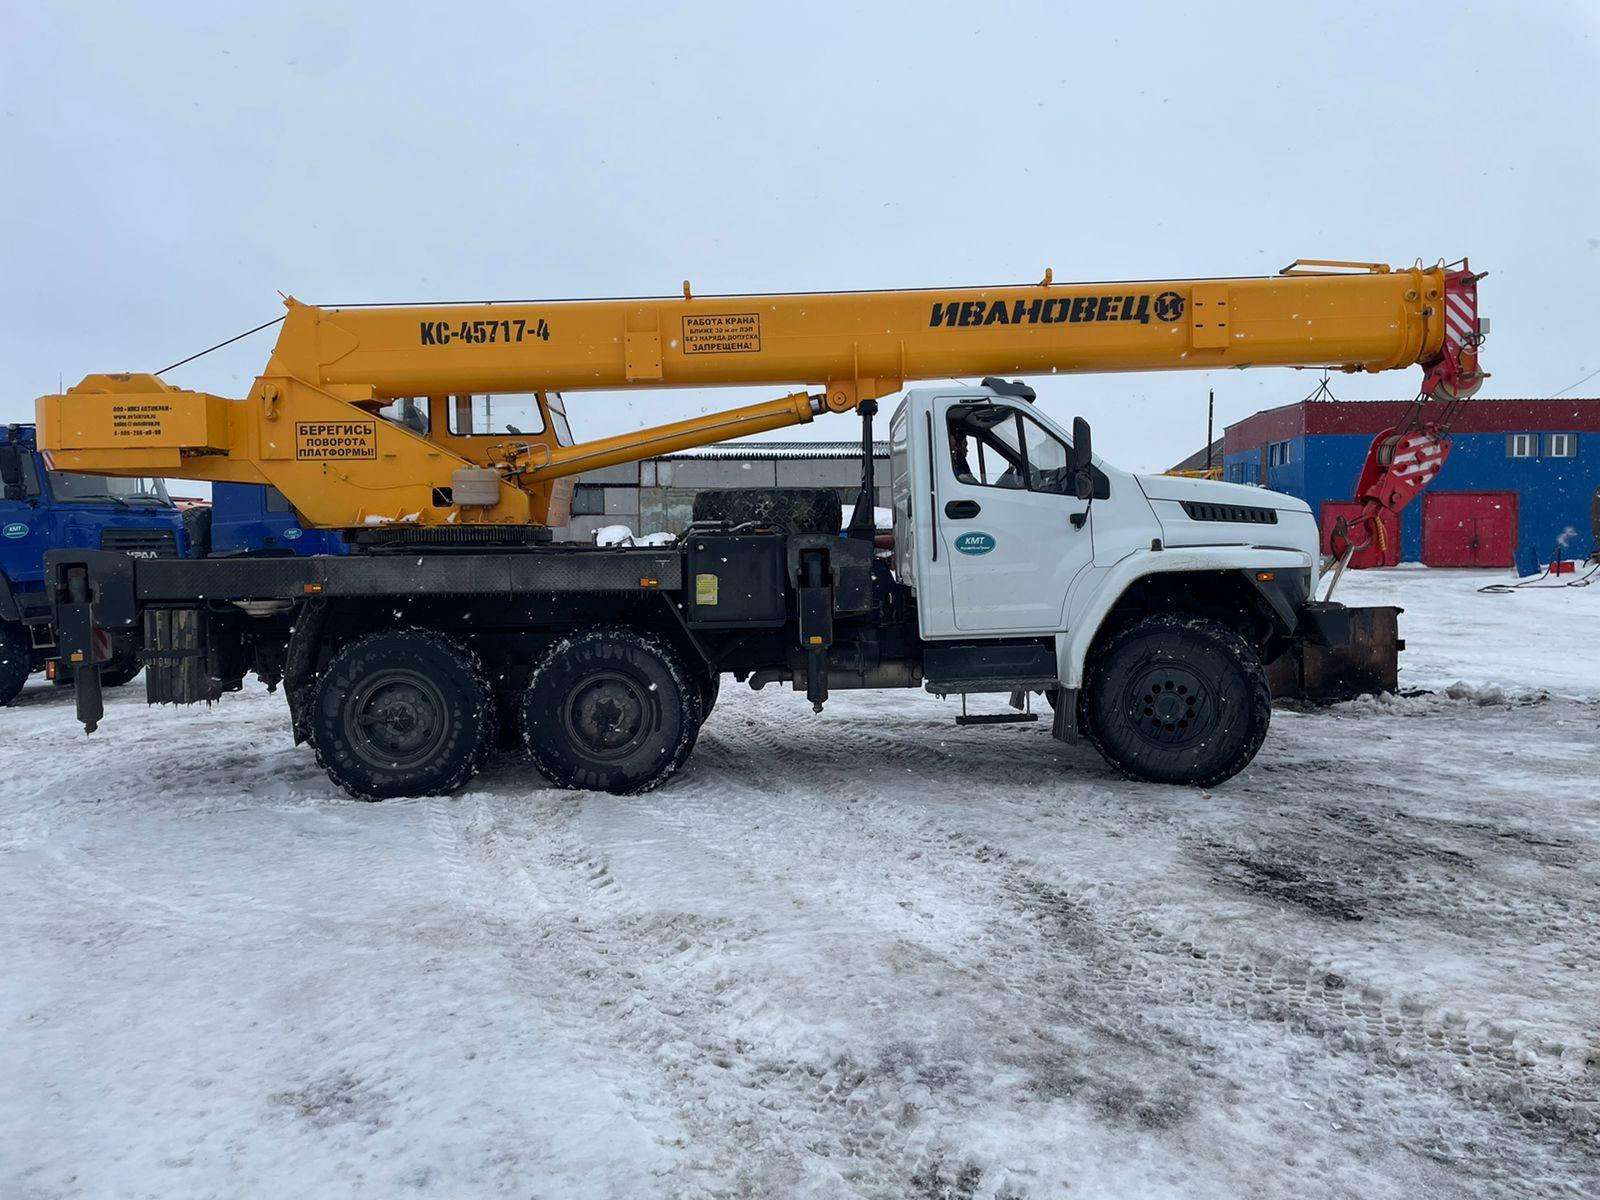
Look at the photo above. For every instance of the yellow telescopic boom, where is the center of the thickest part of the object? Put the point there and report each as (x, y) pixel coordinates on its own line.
(311, 424)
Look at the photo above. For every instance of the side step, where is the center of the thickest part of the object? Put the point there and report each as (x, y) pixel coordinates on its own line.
(997, 718)
(1019, 700)
(989, 667)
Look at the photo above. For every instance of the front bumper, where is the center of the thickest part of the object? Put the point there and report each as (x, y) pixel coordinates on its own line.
(1339, 653)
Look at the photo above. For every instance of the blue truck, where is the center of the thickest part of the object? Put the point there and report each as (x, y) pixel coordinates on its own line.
(42, 509)
(247, 518)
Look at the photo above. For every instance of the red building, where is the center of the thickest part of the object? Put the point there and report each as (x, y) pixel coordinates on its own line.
(1520, 472)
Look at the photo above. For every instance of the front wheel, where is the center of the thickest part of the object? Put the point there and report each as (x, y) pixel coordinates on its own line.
(1178, 699)
(407, 713)
(610, 710)
(16, 661)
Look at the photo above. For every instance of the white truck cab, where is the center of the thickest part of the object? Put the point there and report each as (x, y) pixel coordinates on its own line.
(1002, 531)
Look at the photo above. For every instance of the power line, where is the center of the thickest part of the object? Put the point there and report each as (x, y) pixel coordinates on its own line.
(1580, 383)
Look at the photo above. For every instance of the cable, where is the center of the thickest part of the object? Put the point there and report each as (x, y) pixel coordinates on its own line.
(1538, 583)
(220, 345)
(1580, 383)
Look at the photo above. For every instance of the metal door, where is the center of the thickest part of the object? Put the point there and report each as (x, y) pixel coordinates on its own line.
(1005, 518)
(1469, 529)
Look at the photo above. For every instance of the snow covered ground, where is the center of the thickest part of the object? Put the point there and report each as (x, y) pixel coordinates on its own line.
(859, 954)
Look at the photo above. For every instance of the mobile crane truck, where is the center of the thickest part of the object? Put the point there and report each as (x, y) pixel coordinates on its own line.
(1143, 606)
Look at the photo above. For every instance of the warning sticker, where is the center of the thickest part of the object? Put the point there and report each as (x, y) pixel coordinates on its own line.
(336, 439)
(731, 333)
(705, 590)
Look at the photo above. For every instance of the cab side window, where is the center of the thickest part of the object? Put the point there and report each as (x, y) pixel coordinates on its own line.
(985, 448)
(1047, 459)
(993, 446)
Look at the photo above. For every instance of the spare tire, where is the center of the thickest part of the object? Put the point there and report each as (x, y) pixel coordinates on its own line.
(197, 528)
(796, 510)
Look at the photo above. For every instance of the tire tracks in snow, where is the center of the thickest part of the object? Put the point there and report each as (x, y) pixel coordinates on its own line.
(1536, 1093)
(619, 983)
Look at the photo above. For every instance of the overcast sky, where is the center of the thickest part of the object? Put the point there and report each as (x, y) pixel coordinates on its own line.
(166, 169)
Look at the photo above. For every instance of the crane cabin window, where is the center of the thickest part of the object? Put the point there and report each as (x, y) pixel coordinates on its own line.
(497, 414)
(408, 411)
(557, 408)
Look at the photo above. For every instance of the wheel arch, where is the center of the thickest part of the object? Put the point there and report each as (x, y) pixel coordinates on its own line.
(1199, 581)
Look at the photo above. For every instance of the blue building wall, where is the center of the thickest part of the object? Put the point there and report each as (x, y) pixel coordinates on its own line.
(1553, 494)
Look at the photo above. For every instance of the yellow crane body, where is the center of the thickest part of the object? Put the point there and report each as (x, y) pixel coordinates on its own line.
(312, 423)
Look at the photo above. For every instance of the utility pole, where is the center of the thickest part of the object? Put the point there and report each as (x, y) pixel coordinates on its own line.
(1211, 410)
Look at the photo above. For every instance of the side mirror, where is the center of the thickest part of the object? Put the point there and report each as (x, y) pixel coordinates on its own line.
(1082, 460)
(11, 473)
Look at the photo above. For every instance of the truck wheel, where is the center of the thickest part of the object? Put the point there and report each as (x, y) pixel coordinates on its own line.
(122, 667)
(407, 713)
(610, 710)
(1178, 699)
(797, 510)
(197, 528)
(710, 689)
(16, 662)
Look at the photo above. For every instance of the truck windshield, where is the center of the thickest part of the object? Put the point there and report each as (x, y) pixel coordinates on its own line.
(68, 487)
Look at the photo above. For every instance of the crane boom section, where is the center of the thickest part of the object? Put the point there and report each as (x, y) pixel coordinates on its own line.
(311, 423)
(870, 344)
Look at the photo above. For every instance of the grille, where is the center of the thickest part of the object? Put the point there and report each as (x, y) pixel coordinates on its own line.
(1241, 514)
(141, 543)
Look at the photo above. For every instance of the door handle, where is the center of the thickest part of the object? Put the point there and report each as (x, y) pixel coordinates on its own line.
(961, 510)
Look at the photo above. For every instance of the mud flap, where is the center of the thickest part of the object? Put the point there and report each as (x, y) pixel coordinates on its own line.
(1369, 664)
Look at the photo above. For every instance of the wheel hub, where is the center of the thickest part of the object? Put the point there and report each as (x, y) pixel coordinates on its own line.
(609, 715)
(396, 718)
(1171, 705)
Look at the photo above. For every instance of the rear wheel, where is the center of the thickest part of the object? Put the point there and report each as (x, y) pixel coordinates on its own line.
(710, 689)
(796, 510)
(407, 713)
(122, 667)
(16, 661)
(610, 710)
(1178, 699)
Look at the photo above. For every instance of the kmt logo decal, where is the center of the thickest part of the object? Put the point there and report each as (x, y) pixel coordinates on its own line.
(975, 543)
(16, 529)
(1169, 307)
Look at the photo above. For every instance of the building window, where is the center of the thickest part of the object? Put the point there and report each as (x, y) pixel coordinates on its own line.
(1278, 454)
(1561, 445)
(1522, 445)
(588, 500)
